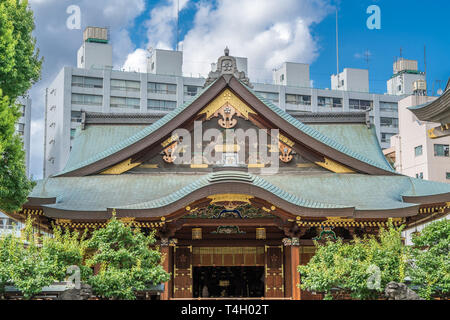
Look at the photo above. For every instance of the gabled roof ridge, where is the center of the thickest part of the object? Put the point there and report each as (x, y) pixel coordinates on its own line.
(318, 135)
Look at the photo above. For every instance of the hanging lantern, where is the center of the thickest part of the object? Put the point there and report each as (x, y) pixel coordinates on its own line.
(261, 233)
(196, 233)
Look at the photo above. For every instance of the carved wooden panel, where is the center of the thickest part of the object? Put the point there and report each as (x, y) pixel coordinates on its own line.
(274, 281)
(182, 280)
(228, 256)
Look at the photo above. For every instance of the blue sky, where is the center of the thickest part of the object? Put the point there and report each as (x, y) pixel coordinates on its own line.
(409, 25)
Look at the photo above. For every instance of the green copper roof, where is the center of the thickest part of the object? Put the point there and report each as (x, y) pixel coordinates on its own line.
(343, 146)
(357, 137)
(97, 139)
(309, 130)
(144, 191)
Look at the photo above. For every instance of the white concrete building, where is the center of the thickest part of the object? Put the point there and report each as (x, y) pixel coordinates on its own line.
(163, 87)
(351, 80)
(406, 72)
(416, 154)
(292, 74)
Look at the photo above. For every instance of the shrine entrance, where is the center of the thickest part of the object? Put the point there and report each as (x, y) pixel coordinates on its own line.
(228, 272)
(228, 282)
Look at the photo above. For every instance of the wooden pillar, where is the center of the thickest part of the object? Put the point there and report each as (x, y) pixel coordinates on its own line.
(295, 261)
(165, 251)
(292, 246)
(287, 273)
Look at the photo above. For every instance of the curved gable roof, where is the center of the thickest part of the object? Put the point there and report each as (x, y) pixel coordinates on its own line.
(131, 145)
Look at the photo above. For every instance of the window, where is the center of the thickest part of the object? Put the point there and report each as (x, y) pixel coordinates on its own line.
(329, 102)
(164, 88)
(386, 137)
(75, 116)
(389, 122)
(125, 85)
(298, 99)
(360, 104)
(282, 78)
(163, 105)
(447, 175)
(72, 133)
(122, 102)
(87, 82)
(271, 96)
(419, 175)
(20, 128)
(399, 88)
(87, 99)
(22, 110)
(388, 106)
(191, 90)
(418, 151)
(441, 150)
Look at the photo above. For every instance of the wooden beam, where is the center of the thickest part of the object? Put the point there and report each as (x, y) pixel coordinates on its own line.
(228, 222)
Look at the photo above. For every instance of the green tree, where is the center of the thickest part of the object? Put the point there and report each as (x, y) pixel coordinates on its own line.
(29, 266)
(430, 265)
(362, 267)
(127, 263)
(22, 263)
(20, 67)
(65, 248)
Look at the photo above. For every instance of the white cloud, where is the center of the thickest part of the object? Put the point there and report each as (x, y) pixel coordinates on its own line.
(268, 33)
(162, 24)
(161, 33)
(136, 61)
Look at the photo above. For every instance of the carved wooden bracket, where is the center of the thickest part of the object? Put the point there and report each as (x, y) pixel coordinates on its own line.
(227, 111)
(169, 229)
(285, 151)
(169, 151)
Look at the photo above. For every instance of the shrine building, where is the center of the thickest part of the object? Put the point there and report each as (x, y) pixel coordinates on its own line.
(237, 224)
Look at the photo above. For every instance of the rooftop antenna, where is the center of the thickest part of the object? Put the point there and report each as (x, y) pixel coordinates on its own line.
(178, 21)
(367, 57)
(401, 55)
(337, 48)
(425, 63)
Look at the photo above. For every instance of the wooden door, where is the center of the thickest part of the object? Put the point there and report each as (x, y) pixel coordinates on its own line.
(182, 278)
(274, 281)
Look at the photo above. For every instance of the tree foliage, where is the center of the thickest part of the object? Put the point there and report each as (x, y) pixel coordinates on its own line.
(20, 67)
(430, 266)
(127, 263)
(29, 266)
(362, 267)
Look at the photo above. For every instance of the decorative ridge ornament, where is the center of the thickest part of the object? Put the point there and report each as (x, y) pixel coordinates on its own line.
(226, 64)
